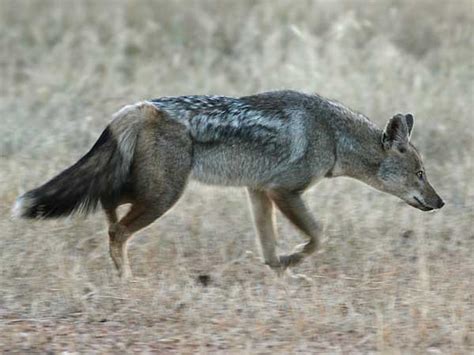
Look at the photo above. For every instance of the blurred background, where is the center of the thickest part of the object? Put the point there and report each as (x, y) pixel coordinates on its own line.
(389, 278)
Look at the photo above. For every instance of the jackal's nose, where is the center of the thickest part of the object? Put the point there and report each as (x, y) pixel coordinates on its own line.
(440, 203)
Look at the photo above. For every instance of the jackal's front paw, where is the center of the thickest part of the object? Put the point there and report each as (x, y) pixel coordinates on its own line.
(276, 266)
(291, 259)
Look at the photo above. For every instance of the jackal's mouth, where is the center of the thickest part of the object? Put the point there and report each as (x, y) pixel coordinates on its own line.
(420, 205)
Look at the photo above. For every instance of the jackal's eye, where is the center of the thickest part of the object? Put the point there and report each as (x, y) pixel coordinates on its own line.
(420, 174)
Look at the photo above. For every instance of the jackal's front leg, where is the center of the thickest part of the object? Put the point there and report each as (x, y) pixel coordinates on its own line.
(293, 207)
(264, 220)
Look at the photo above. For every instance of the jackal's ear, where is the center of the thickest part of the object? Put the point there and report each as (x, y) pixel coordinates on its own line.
(397, 132)
(410, 122)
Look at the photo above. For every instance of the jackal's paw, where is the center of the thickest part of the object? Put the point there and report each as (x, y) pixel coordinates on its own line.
(291, 259)
(276, 266)
(299, 277)
(126, 274)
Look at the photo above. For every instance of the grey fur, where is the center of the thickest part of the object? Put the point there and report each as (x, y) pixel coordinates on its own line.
(276, 144)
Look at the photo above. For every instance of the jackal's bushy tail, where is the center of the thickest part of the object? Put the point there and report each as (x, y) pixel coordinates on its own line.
(100, 175)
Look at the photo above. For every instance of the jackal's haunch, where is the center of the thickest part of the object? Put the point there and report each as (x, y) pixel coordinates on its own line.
(276, 144)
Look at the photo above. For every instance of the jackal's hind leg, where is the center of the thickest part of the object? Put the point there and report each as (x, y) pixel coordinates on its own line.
(118, 236)
(140, 215)
(294, 208)
(263, 215)
(160, 170)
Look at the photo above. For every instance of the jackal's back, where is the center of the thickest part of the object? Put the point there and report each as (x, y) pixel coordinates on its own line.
(250, 140)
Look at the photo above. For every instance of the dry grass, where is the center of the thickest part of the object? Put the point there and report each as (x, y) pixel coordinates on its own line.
(390, 279)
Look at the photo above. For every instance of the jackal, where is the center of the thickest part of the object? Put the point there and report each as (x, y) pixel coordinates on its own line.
(276, 144)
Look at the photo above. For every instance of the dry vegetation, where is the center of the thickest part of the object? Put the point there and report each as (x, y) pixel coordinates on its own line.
(390, 278)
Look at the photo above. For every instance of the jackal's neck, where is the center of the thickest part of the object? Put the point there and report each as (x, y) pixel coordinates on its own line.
(359, 150)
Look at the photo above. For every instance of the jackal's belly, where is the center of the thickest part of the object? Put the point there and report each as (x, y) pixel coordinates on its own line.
(235, 165)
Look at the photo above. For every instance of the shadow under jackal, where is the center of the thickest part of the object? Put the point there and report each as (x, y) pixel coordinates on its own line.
(276, 144)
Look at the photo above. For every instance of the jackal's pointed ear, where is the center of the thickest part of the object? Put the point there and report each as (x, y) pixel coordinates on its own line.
(410, 123)
(397, 131)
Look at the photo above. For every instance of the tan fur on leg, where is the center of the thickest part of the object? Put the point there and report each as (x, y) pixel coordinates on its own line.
(293, 207)
(263, 215)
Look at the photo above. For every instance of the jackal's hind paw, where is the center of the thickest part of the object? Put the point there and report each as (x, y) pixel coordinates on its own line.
(125, 274)
(291, 259)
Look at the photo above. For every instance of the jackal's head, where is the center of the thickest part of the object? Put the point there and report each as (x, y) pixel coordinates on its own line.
(401, 172)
